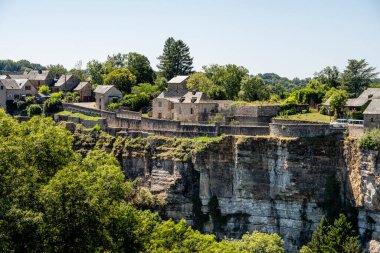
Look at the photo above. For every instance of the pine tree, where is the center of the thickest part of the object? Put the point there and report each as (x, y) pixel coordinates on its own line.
(175, 59)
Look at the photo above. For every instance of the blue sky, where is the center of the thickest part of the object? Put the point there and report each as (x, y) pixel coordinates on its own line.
(287, 37)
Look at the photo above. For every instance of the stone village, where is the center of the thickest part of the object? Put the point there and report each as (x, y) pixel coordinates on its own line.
(180, 112)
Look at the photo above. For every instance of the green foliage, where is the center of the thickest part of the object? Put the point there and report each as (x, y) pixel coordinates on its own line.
(121, 78)
(329, 76)
(44, 89)
(72, 97)
(227, 78)
(136, 102)
(147, 88)
(253, 88)
(78, 73)
(370, 140)
(139, 65)
(56, 70)
(113, 106)
(79, 115)
(95, 70)
(336, 237)
(52, 105)
(338, 100)
(21, 65)
(175, 59)
(357, 76)
(52, 200)
(34, 110)
(57, 95)
(323, 110)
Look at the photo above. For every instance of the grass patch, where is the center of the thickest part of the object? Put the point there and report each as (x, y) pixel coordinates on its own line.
(312, 117)
(79, 115)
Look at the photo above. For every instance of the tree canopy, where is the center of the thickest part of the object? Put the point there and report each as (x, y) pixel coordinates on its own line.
(175, 59)
(121, 78)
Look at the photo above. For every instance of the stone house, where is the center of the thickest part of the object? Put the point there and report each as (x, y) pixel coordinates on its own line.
(106, 94)
(14, 90)
(371, 115)
(66, 83)
(85, 91)
(177, 103)
(36, 77)
(363, 100)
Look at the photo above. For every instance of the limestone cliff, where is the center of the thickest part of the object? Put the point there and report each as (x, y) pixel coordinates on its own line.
(231, 185)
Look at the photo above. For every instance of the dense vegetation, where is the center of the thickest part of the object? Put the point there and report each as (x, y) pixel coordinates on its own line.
(53, 200)
(9, 66)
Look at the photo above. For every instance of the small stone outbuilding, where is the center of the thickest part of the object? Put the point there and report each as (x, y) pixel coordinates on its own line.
(66, 83)
(106, 94)
(371, 115)
(85, 91)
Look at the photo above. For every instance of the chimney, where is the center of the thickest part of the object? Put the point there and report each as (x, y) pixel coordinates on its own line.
(194, 91)
(40, 71)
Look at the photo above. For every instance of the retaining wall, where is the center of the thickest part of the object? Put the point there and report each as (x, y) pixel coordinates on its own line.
(304, 130)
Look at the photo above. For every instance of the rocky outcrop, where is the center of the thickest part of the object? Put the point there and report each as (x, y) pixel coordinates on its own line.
(363, 185)
(232, 185)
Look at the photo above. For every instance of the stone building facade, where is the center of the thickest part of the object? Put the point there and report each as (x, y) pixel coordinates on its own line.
(106, 94)
(371, 115)
(85, 91)
(15, 90)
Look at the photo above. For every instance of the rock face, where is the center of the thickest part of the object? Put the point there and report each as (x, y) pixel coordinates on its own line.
(241, 184)
(363, 185)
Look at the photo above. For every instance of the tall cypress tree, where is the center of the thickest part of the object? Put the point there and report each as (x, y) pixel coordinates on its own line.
(175, 59)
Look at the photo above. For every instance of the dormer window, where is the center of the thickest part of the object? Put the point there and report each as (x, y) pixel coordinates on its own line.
(193, 100)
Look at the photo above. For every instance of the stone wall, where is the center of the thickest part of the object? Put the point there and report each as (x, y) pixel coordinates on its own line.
(85, 122)
(371, 121)
(243, 130)
(299, 130)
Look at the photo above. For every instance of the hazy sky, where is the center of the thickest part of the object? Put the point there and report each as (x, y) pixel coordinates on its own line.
(288, 37)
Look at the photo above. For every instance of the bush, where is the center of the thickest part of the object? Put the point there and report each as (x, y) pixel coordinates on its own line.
(34, 110)
(96, 128)
(370, 140)
(57, 95)
(52, 105)
(304, 111)
(323, 110)
(113, 106)
(44, 89)
(357, 115)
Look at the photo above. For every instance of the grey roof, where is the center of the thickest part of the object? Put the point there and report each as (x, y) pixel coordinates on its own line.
(35, 75)
(21, 82)
(81, 85)
(4, 77)
(62, 80)
(373, 107)
(178, 79)
(195, 97)
(366, 95)
(102, 89)
(10, 84)
(18, 76)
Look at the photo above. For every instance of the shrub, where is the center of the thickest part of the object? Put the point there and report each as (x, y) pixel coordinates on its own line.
(304, 111)
(357, 115)
(96, 128)
(370, 140)
(44, 89)
(52, 105)
(34, 110)
(323, 110)
(113, 106)
(57, 95)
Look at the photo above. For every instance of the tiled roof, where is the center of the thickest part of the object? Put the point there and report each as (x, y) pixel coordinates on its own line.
(21, 82)
(81, 85)
(62, 80)
(102, 89)
(10, 84)
(178, 79)
(373, 107)
(366, 95)
(35, 75)
(18, 76)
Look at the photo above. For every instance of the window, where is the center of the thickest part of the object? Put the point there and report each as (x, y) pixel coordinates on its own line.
(371, 119)
(27, 87)
(1, 87)
(159, 104)
(172, 106)
(159, 115)
(191, 111)
(16, 96)
(172, 115)
(205, 110)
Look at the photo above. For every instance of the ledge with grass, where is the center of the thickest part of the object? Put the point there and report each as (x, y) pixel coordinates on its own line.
(85, 120)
